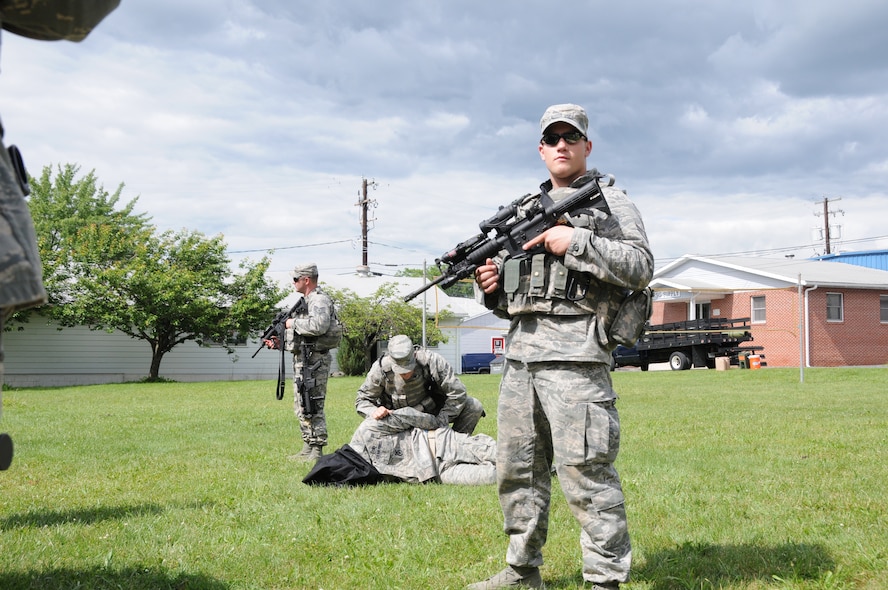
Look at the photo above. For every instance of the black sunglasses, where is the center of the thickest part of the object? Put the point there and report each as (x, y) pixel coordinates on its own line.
(571, 137)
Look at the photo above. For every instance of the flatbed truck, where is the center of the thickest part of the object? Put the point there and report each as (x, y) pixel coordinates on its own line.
(694, 343)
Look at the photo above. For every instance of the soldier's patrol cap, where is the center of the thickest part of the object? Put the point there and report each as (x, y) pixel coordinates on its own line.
(305, 270)
(568, 113)
(400, 348)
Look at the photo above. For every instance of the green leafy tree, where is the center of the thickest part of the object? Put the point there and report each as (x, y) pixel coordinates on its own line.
(65, 210)
(368, 320)
(108, 269)
(462, 288)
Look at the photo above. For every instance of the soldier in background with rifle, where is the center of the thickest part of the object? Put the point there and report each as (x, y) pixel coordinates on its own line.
(310, 334)
(21, 272)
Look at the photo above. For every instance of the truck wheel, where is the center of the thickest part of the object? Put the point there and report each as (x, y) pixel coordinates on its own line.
(678, 361)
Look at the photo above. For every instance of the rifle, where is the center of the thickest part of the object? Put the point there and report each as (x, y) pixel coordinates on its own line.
(510, 233)
(277, 329)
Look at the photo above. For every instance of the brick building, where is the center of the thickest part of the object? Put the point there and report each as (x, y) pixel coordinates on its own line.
(822, 314)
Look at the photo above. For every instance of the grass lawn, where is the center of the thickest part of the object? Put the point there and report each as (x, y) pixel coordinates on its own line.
(734, 479)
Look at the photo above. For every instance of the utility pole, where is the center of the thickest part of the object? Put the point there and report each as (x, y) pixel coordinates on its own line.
(364, 203)
(826, 227)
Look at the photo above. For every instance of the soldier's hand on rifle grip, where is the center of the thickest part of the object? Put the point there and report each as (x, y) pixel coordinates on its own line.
(273, 343)
(555, 240)
(487, 277)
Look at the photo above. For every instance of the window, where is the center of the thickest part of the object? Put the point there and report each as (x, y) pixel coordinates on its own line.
(703, 311)
(883, 309)
(758, 309)
(834, 307)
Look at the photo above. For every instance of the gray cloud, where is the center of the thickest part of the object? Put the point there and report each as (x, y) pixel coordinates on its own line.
(259, 119)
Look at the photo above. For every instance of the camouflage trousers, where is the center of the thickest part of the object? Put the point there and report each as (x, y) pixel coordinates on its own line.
(562, 412)
(464, 459)
(313, 428)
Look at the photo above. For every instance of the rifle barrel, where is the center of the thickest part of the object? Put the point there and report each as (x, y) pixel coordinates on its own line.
(424, 288)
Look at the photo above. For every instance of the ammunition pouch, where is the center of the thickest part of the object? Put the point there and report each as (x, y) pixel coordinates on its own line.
(542, 276)
(632, 315)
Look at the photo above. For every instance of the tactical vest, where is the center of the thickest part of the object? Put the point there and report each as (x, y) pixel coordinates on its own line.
(542, 284)
(435, 398)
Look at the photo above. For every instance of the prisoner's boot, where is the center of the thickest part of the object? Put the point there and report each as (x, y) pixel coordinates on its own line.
(511, 577)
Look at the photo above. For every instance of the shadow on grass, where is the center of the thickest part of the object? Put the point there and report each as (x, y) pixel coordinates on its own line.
(42, 518)
(101, 579)
(704, 565)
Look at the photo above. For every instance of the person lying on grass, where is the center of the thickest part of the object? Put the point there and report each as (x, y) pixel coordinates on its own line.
(410, 446)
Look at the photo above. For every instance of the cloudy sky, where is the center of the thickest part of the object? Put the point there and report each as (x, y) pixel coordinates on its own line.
(727, 122)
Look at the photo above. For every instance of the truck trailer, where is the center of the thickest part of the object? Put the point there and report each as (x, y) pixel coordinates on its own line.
(694, 343)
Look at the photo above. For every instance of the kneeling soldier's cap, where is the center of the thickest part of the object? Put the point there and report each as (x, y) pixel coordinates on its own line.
(400, 348)
(305, 270)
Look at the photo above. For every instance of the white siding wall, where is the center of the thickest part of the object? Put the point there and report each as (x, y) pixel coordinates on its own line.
(42, 356)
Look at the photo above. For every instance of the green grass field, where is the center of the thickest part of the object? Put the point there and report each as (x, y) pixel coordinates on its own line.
(734, 479)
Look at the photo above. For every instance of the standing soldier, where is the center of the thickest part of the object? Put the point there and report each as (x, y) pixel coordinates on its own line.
(319, 329)
(21, 274)
(557, 403)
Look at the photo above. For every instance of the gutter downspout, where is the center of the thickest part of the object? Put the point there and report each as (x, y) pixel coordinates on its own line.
(808, 328)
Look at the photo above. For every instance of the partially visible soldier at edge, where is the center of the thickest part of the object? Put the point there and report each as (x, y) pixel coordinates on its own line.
(556, 402)
(319, 326)
(21, 272)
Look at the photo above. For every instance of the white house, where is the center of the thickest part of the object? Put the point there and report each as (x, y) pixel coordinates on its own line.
(42, 355)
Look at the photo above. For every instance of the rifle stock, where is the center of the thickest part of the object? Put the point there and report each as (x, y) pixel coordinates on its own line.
(504, 231)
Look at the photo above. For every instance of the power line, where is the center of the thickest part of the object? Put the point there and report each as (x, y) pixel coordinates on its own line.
(276, 248)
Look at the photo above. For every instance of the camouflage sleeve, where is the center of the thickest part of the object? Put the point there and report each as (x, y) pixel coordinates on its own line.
(320, 314)
(21, 277)
(53, 20)
(370, 393)
(449, 385)
(616, 250)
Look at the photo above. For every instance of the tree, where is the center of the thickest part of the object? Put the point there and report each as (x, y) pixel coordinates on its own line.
(109, 269)
(462, 288)
(62, 207)
(369, 320)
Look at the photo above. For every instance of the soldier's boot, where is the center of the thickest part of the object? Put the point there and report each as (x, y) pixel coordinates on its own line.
(302, 455)
(315, 452)
(511, 577)
(309, 453)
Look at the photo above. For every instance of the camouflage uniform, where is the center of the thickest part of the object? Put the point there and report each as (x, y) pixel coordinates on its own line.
(432, 378)
(409, 445)
(21, 278)
(556, 397)
(316, 325)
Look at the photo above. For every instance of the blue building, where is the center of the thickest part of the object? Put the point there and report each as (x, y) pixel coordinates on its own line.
(877, 259)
